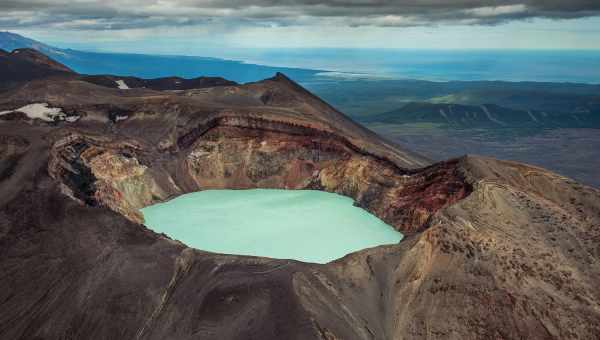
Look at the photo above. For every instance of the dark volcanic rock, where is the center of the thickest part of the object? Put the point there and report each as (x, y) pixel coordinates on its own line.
(24, 65)
(494, 249)
(159, 84)
(39, 58)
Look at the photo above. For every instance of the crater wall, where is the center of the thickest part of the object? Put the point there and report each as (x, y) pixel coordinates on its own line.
(242, 153)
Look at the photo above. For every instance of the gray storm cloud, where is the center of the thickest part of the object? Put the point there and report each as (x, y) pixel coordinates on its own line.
(120, 14)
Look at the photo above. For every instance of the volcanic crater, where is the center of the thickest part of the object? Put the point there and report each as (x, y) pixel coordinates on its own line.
(493, 249)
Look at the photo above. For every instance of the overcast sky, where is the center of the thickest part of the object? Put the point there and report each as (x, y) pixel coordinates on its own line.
(188, 26)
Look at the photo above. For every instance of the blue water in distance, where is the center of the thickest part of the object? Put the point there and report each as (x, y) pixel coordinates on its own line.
(579, 66)
(305, 225)
(310, 65)
(156, 66)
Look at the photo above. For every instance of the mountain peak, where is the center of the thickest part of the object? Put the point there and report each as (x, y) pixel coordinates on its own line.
(283, 79)
(280, 76)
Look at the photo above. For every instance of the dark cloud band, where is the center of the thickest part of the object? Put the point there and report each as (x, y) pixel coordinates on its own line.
(121, 14)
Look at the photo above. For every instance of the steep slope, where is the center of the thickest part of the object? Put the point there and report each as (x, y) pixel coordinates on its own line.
(494, 249)
(38, 58)
(24, 65)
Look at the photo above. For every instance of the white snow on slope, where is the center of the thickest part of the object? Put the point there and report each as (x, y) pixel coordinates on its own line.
(43, 112)
(122, 85)
(72, 119)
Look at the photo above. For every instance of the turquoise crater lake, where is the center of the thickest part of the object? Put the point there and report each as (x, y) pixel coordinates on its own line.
(304, 225)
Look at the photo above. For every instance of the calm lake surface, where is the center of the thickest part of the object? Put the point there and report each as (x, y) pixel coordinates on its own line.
(305, 225)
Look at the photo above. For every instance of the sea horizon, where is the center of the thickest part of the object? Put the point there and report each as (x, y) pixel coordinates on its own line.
(468, 64)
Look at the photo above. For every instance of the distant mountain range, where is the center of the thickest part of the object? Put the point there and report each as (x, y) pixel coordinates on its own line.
(484, 116)
(467, 104)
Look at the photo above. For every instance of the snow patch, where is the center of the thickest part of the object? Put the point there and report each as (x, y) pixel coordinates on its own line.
(43, 112)
(72, 119)
(120, 118)
(122, 85)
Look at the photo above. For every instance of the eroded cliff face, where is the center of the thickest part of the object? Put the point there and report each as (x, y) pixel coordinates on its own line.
(241, 153)
(104, 175)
